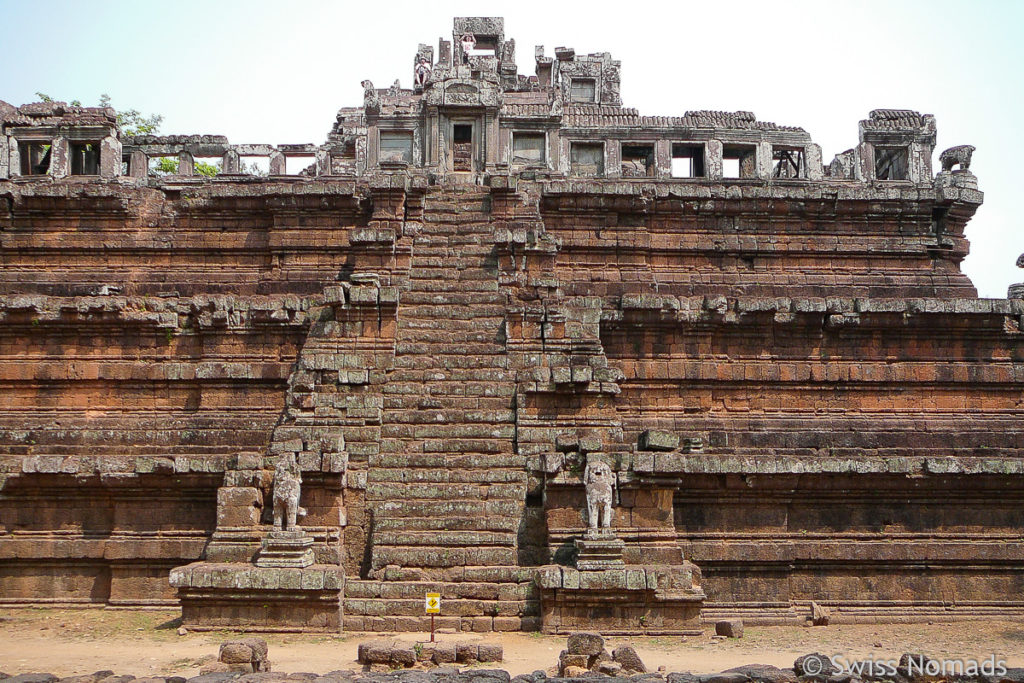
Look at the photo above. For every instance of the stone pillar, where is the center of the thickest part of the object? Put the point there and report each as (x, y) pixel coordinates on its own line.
(490, 141)
(504, 154)
(663, 159)
(230, 162)
(110, 157)
(5, 157)
(278, 163)
(323, 161)
(14, 163)
(186, 164)
(60, 162)
(434, 139)
(763, 168)
(138, 167)
(919, 161)
(612, 159)
(713, 161)
(812, 158)
(361, 155)
(553, 152)
(864, 162)
(372, 145)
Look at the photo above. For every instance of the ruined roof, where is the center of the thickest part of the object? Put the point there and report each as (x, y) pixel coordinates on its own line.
(897, 119)
(56, 113)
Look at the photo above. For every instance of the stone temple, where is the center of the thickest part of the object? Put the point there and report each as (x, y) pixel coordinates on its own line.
(510, 341)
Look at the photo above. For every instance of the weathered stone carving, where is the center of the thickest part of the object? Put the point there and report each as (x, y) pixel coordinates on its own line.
(961, 154)
(600, 482)
(371, 100)
(287, 488)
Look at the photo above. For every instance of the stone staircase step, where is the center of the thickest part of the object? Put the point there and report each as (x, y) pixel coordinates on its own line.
(444, 491)
(426, 347)
(449, 508)
(415, 556)
(426, 475)
(452, 607)
(447, 490)
(445, 537)
(456, 375)
(493, 523)
(513, 587)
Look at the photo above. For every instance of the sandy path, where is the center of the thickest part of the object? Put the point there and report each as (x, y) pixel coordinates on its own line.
(142, 643)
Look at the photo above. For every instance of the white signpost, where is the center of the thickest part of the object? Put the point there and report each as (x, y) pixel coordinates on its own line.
(432, 604)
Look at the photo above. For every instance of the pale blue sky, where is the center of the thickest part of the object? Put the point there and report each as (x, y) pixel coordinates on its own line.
(261, 71)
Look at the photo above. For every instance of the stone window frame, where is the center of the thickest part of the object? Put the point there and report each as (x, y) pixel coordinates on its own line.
(746, 156)
(24, 144)
(602, 144)
(572, 89)
(544, 148)
(893, 147)
(802, 170)
(652, 165)
(72, 144)
(691, 144)
(404, 132)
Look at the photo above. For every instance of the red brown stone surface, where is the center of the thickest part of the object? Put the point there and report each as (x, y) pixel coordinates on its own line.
(795, 385)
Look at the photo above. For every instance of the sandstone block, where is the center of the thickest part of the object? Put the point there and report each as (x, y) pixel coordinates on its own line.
(403, 656)
(238, 506)
(444, 653)
(489, 652)
(234, 652)
(654, 440)
(260, 651)
(466, 652)
(375, 652)
(730, 628)
(566, 659)
(627, 656)
(216, 667)
(815, 664)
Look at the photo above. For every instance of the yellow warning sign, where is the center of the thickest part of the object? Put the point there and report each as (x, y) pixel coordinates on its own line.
(433, 603)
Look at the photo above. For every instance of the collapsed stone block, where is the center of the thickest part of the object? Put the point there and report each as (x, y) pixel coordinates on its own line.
(730, 628)
(403, 656)
(466, 652)
(375, 652)
(444, 653)
(585, 643)
(627, 656)
(490, 652)
(246, 655)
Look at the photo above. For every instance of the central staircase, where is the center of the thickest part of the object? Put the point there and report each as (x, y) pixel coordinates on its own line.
(447, 490)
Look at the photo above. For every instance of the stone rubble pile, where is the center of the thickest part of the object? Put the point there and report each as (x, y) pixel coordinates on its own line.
(244, 656)
(585, 654)
(750, 673)
(384, 655)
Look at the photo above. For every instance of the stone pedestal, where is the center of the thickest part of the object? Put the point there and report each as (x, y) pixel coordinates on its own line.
(599, 550)
(218, 595)
(602, 593)
(286, 549)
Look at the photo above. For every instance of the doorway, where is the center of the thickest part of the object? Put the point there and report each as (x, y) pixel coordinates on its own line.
(462, 147)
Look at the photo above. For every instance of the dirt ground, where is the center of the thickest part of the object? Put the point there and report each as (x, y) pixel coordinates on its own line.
(146, 643)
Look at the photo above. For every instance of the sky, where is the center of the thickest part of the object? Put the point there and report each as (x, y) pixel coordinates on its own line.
(275, 71)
